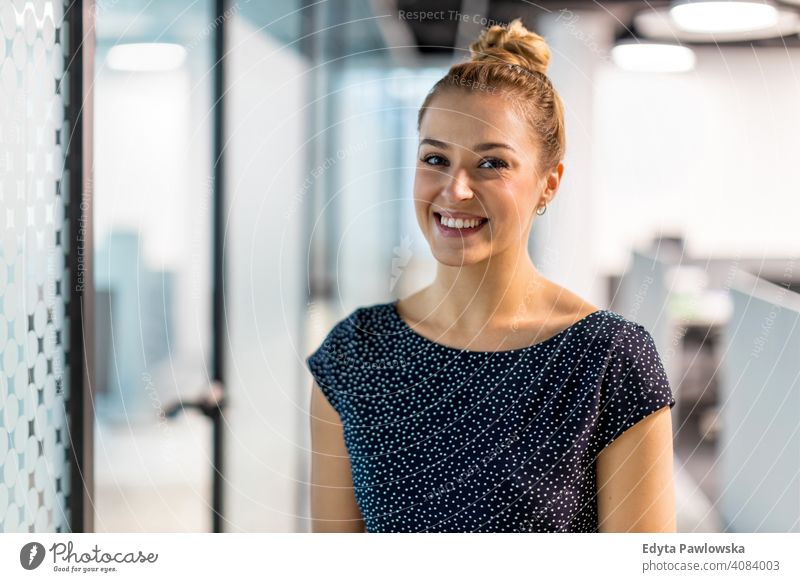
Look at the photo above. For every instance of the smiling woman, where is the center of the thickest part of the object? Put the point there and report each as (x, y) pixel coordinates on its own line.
(518, 406)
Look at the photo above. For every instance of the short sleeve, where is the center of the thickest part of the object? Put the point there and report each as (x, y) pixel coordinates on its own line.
(634, 385)
(320, 365)
(328, 363)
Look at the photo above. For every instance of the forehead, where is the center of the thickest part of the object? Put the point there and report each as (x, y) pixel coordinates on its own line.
(466, 118)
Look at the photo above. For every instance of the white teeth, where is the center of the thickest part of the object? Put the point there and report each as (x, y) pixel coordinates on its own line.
(459, 222)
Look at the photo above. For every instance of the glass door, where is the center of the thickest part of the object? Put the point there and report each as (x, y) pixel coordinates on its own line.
(153, 193)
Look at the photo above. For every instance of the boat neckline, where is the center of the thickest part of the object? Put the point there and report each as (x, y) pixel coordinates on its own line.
(552, 338)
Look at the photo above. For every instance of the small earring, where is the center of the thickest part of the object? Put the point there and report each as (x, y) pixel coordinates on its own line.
(542, 209)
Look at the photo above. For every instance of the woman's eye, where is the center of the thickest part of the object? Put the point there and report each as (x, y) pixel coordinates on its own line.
(434, 160)
(497, 164)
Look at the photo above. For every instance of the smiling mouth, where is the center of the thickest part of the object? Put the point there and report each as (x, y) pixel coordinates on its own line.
(460, 223)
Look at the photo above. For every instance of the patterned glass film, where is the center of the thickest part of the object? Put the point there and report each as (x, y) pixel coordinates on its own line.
(34, 274)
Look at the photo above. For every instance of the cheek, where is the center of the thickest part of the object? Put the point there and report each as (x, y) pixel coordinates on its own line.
(422, 198)
(507, 204)
(425, 183)
(519, 199)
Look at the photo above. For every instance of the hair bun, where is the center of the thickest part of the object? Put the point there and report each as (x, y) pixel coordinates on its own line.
(512, 44)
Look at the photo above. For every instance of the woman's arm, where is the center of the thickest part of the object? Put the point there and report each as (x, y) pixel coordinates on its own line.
(333, 503)
(634, 478)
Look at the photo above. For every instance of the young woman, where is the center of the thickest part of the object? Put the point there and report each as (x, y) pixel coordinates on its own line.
(492, 400)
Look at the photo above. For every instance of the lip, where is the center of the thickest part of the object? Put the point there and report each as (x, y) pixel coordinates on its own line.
(450, 214)
(447, 232)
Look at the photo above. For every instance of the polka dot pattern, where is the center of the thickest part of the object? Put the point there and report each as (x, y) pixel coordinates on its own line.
(442, 439)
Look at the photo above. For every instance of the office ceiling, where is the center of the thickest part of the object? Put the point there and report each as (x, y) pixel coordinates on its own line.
(439, 36)
(366, 27)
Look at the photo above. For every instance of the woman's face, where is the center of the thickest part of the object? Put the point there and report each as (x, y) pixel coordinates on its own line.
(478, 161)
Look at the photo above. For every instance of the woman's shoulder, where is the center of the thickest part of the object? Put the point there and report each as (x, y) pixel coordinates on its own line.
(352, 344)
(624, 328)
(631, 351)
(363, 320)
(597, 322)
(360, 327)
(606, 324)
(622, 322)
(625, 337)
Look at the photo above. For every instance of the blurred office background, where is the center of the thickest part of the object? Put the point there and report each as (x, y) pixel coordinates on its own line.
(678, 209)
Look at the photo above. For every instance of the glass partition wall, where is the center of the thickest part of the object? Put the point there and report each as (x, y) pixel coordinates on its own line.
(43, 295)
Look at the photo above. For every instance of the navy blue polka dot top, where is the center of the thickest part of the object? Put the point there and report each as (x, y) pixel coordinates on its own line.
(443, 439)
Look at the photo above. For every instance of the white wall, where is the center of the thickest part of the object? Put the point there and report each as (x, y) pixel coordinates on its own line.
(712, 154)
(266, 424)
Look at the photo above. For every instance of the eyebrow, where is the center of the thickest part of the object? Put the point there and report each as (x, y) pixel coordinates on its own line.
(481, 147)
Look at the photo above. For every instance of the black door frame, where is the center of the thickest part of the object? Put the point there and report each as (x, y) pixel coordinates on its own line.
(218, 260)
(79, 22)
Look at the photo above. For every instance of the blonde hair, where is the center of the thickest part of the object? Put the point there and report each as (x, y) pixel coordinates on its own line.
(513, 60)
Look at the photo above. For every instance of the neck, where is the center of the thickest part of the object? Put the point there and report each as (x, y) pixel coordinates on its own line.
(491, 293)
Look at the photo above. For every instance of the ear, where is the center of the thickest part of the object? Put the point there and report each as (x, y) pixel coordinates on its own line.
(552, 182)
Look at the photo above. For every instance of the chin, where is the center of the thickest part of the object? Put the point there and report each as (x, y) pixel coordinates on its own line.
(459, 258)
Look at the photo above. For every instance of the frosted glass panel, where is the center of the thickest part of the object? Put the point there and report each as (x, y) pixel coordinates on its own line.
(264, 422)
(34, 278)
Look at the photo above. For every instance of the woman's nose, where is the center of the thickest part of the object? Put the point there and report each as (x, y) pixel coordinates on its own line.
(458, 186)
